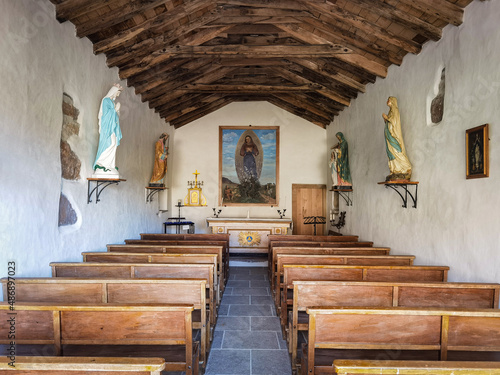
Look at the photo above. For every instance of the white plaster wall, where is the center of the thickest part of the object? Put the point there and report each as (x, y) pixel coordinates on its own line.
(457, 220)
(302, 156)
(39, 60)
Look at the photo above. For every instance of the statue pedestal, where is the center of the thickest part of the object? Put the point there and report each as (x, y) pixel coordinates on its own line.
(249, 235)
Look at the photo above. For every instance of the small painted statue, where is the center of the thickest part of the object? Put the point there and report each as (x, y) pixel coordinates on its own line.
(109, 135)
(399, 165)
(160, 166)
(339, 164)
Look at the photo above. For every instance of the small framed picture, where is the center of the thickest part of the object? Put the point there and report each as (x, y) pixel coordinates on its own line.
(477, 151)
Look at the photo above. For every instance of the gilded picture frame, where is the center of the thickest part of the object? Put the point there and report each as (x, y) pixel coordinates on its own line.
(248, 165)
(477, 152)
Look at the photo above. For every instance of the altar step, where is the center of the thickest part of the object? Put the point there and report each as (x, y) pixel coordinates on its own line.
(248, 260)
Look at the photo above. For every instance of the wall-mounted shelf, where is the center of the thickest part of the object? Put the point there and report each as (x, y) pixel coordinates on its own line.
(100, 185)
(151, 191)
(345, 194)
(404, 185)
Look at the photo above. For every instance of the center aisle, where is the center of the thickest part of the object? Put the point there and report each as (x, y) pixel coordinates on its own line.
(247, 338)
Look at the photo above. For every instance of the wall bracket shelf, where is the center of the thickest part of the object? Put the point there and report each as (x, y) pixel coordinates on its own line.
(100, 185)
(151, 191)
(404, 185)
(345, 194)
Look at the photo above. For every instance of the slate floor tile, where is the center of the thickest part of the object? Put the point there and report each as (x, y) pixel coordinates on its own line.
(258, 323)
(235, 300)
(250, 291)
(232, 362)
(250, 310)
(271, 362)
(231, 323)
(261, 300)
(250, 340)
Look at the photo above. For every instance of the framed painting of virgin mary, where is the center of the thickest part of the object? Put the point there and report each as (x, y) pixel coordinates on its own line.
(477, 150)
(248, 165)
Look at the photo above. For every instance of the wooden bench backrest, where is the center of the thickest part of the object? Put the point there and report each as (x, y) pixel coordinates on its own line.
(185, 236)
(58, 325)
(308, 237)
(135, 291)
(368, 260)
(83, 365)
(272, 259)
(320, 244)
(365, 367)
(144, 271)
(174, 249)
(400, 328)
(308, 294)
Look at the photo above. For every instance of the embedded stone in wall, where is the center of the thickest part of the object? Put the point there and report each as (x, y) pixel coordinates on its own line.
(67, 215)
(437, 104)
(70, 163)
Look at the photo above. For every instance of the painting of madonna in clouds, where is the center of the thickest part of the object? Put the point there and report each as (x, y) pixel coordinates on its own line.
(248, 165)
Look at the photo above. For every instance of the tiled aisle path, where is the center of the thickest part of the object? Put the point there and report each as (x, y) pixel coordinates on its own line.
(247, 338)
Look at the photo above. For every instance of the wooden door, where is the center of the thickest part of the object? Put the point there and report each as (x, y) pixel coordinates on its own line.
(308, 200)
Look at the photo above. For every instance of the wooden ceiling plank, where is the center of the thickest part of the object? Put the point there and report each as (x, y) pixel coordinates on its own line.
(301, 101)
(71, 9)
(170, 116)
(331, 13)
(274, 4)
(115, 17)
(156, 44)
(150, 75)
(200, 112)
(163, 20)
(357, 43)
(320, 69)
(403, 18)
(316, 120)
(322, 89)
(183, 101)
(443, 10)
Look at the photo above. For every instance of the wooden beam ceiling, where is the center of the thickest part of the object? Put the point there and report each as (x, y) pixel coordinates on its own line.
(188, 58)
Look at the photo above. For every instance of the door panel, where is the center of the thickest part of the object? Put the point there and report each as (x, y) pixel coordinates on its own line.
(308, 200)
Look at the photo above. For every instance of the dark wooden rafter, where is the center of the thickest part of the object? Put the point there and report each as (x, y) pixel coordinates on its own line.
(188, 58)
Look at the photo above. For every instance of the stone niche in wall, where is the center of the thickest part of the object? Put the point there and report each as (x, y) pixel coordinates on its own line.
(70, 163)
(437, 104)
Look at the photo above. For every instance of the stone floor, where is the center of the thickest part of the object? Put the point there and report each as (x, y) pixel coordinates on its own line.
(247, 338)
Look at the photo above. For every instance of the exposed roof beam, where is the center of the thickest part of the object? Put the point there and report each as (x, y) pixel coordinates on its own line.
(443, 10)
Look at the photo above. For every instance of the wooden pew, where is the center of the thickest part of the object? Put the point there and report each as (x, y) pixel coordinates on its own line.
(293, 273)
(129, 291)
(399, 333)
(308, 294)
(352, 260)
(355, 367)
(194, 239)
(142, 271)
(178, 249)
(319, 251)
(309, 237)
(82, 366)
(105, 331)
(322, 244)
(116, 257)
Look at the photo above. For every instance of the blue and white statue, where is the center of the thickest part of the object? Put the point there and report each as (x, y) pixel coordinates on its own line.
(109, 135)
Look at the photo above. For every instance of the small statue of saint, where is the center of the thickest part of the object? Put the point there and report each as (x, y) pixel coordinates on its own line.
(399, 165)
(109, 135)
(339, 164)
(160, 166)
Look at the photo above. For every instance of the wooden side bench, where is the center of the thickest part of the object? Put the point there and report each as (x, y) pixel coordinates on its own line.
(222, 269)
(129, 291)
(321, 251)
(308, 294)
(144, 271)
(105, 331)
(83, 365)
(221, 239)
(349, 260)
(117, 257)
(399, 333)
(355, 367)
(293, 273)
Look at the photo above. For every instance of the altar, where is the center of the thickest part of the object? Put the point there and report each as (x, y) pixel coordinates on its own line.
(249, 235)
